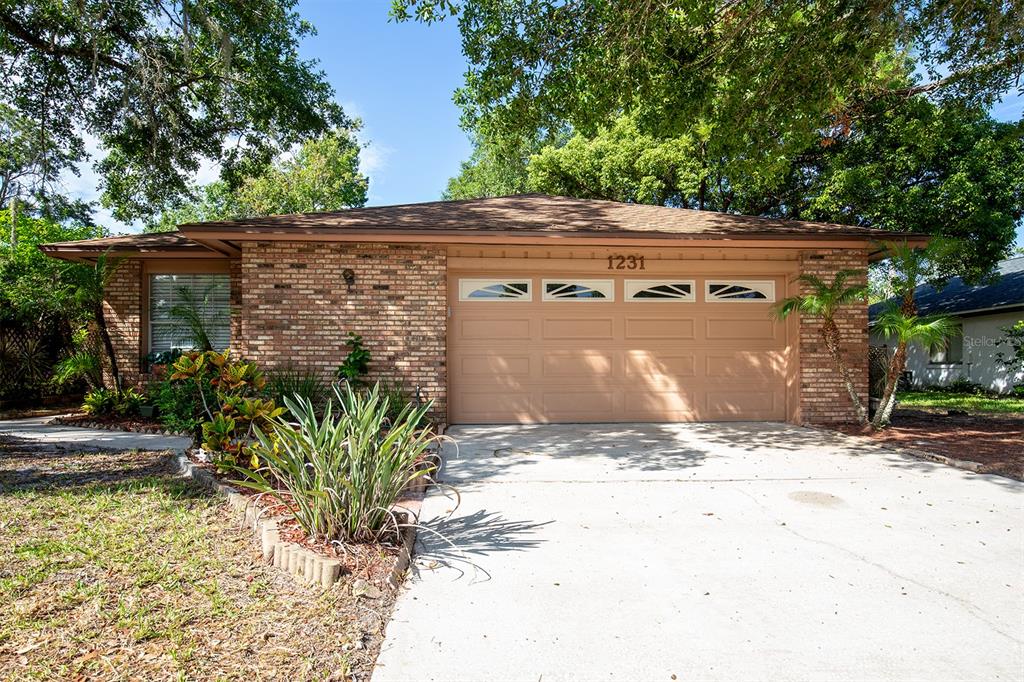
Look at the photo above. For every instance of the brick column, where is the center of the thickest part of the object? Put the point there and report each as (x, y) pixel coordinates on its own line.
(823, 395)
(122, 309)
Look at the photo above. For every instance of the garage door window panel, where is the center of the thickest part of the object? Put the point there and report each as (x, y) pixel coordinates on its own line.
(730, 291)
(673, 291)
(495, 290)
(579, 290)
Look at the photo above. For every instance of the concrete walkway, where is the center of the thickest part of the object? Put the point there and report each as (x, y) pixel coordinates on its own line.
(709, 552)
(40, 431)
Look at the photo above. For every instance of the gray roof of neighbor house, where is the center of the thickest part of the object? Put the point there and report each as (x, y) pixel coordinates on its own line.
(957, 297)
(523, 218)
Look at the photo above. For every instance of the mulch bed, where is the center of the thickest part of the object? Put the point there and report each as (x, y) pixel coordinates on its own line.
(113, 421)
(213, 611)
(997, 443)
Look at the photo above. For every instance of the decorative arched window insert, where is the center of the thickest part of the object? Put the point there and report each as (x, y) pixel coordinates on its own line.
(578, 289)
(495, 290)
(672, 290)
(740, 290)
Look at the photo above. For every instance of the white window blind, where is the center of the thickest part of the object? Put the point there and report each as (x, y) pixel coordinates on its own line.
(209, 296)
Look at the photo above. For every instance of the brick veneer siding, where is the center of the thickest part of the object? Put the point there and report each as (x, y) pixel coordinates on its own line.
(823, 395)
(122, 310)
(296, 309)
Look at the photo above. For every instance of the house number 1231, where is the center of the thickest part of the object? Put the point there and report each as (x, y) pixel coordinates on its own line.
(617, 262)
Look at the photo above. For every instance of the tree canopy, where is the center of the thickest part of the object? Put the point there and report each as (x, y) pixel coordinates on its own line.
(163, 85)
(321, 175)
(33, 285)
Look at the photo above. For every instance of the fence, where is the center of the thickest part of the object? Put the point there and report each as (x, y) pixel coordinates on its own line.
(27, 356)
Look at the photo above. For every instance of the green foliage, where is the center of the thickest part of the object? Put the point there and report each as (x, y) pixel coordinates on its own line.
(396, 397)
(490, 172)
(298, 384)
(762, 78)
(913, 166)
(164, 86)
(925, 330)
(825, 298)
(229, 393)
(104, 401)
(33, 285)
(82, 364)
(938, 398)
(1011, 360)
(342, 473)
(192, 316)
(356, 364)
(323, 175)
(179, 406)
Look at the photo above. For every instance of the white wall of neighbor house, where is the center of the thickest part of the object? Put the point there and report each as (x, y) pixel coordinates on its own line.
(980, 343)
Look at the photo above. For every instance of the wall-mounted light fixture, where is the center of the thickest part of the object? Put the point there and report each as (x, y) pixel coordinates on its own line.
(349, 276)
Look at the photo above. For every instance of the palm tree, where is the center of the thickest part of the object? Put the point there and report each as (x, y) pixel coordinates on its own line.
(905, 329)
(91, 285)
(823, 301)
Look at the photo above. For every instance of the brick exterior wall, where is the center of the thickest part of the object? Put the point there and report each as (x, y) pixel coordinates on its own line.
(122, 310)
(823, 395)
(297, 310)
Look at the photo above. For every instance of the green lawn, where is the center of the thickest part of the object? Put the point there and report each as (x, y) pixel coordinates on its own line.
(113, 569)
(940, 400)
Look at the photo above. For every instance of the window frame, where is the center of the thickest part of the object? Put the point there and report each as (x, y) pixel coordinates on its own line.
(475, 283)
(643, 284)
(150, 307)
(755, 284)
(956, 338)
(608, 283)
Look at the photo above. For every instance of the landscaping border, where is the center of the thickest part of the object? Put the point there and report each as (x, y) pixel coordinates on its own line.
(962, 464)
(304, 564)
(64, 420)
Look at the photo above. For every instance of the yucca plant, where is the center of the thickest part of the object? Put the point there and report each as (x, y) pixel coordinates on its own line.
(341, 472)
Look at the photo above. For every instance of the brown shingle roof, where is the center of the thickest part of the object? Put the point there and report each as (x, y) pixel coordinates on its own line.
(159, 241)
(537, 214)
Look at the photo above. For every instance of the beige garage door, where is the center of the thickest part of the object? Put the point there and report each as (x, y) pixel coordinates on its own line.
(527, 348)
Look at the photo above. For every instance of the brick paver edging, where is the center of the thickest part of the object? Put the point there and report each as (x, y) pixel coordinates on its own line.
(64, 420)
(304, 564)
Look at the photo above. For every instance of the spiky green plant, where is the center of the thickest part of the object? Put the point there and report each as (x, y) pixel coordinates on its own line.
(192, 316)
(824, 300)
(895, 324)
(341, 473)
(83, 363)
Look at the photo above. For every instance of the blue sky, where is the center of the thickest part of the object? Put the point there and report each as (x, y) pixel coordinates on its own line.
(399, 79)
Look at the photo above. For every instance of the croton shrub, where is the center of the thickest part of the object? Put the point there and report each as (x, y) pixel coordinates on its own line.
(230, 394)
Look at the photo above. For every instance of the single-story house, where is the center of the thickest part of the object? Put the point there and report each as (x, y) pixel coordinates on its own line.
(982, 312)
(528, 308)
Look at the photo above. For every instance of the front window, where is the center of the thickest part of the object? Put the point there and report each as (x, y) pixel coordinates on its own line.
(187, 312)
(947, 352)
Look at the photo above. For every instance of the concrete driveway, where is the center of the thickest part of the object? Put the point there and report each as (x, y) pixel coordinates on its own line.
(709, 551)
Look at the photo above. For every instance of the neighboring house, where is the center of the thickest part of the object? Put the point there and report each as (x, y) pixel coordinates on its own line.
(982, 312)
(528, 308)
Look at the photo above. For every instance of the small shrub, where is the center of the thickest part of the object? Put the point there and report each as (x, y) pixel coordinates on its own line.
(1018, 391)
(127, 402)
(100, 402)
(356, 364)
(297, 384)
(342, 473)
(229, 395)
(397, 399)
(178, 405)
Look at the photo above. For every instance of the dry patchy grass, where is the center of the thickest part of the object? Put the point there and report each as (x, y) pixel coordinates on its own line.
(113, 568)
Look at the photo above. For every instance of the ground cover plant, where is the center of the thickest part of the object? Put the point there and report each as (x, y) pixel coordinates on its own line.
(114, 568)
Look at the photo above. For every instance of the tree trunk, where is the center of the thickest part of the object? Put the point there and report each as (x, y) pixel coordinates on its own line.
(885, 407)
(108, 346)
(830, 335)
(14, 223)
